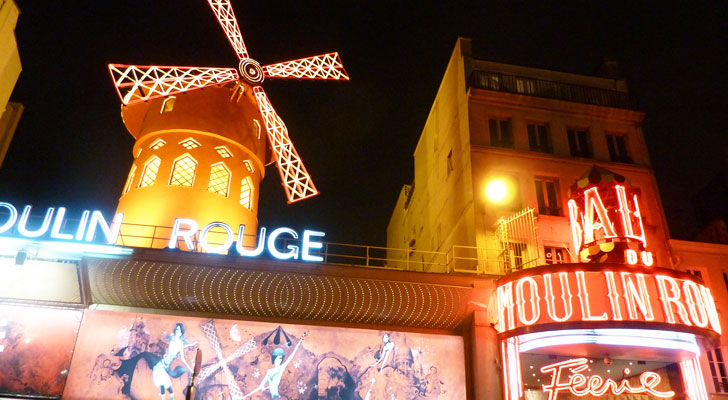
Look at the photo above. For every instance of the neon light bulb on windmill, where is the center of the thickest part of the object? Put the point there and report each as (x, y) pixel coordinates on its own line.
(212, 159)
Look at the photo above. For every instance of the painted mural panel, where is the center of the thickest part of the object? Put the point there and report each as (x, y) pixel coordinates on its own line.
(145, 356)
(36, 345)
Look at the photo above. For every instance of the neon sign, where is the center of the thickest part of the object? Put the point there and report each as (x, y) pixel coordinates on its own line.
(606, 224)
(56, 225)
(187, 229)
(596, 294)
(85, 231)
(579, 384)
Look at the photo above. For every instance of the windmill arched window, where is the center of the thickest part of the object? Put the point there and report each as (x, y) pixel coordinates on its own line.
(183, 171)
(246, 193)
(257, 128)
(129, 179)
(151, 168)
(157, 144)
(190, 144)
(219, 179)
(248, 166)
(223, 151)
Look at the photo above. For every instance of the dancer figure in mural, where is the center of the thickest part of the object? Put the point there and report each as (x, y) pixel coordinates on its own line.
(161, 372)
(274, 374)
(385, 350)
(161, 366)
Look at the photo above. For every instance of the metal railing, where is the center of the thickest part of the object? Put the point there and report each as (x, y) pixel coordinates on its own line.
(551, 90)
(471, 260)
(517, 241)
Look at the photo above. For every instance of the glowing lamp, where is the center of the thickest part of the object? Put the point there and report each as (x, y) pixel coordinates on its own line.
(496, 191)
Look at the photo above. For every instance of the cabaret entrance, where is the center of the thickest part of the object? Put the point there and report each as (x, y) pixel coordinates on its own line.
(603, 331)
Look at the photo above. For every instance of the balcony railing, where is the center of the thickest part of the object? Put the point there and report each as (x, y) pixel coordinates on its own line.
(512, 252)
(551, 90)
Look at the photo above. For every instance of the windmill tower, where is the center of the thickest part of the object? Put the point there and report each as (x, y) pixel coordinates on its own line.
(203, 138)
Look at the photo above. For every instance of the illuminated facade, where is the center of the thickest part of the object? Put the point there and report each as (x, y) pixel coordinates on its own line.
(541, 181)
(9, 71)
(206, 151)
(287, 315)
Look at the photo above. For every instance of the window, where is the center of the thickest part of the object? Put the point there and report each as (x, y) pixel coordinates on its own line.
(157, 144)
(617, 145)
(246, 192)
(249, 166)
(223, 151)
(500, 133)
(183, 171)
(450, 168)
(525, 86)
(257, 128)
(538, 138)
(129, 179)
(190, 143)
(718, 370)
(151, 167)
(579, 143)
(546, 195)
(219, 179)
(695, 272)
(555, 255)
(167, 105)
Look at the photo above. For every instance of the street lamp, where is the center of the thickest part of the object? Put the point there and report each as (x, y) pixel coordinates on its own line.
(496, 190)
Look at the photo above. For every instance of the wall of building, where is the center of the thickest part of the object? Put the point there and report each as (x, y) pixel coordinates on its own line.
(710, 262)
(440, 209)
(526, 166)
(9, 71)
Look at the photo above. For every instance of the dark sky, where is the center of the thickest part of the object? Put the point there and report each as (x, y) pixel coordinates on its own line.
(356, 138)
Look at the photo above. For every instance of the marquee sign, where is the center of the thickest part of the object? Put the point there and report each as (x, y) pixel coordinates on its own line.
(56, 225)
(586, 293)
(579, 384)
(606, 221)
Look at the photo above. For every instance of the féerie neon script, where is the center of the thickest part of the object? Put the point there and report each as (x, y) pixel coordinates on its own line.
(581, 385)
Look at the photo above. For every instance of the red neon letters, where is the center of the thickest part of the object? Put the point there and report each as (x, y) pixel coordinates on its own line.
(604, 296)
(581, 385)
(591, 223)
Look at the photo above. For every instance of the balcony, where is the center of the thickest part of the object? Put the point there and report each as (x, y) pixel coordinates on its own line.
(551, 90)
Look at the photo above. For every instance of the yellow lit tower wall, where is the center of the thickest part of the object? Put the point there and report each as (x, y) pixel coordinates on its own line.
(198, 155)
(9, 72)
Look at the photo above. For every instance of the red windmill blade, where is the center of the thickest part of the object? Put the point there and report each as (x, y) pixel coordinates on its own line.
(141, 83)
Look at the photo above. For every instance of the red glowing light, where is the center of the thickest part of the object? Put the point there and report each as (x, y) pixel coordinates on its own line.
(224, 12)
(141, 83)
(137, 83)
(693, 379)
(594, 232)
(296, 180)
(325, 66)
(593, 223)
(542, 298)
(581, 385)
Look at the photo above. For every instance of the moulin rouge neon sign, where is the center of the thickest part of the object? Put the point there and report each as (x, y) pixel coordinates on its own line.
(54, 225)
(605, 295)
(592, 224)
(579, 384)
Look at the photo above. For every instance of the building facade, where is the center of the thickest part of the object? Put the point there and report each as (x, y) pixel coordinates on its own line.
(9, 72)
(471, 301)
(515, 172)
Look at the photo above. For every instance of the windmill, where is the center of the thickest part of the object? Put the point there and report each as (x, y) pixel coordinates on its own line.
(199, 152)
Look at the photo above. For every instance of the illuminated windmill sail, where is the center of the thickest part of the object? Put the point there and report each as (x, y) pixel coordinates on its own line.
(157, 117)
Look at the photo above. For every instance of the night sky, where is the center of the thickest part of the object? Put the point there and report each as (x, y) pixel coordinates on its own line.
(356, 138)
